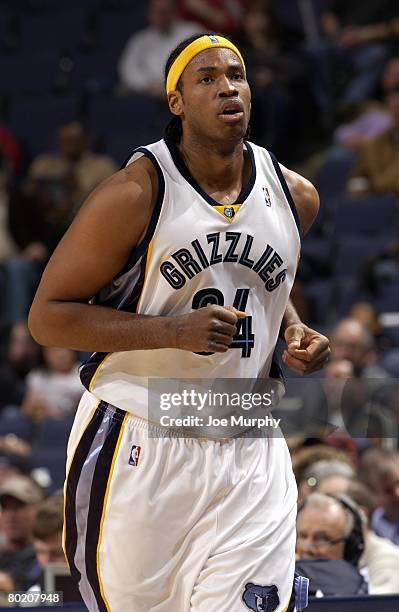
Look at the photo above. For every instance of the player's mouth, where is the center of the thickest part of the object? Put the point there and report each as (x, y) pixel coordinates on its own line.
(232, 112)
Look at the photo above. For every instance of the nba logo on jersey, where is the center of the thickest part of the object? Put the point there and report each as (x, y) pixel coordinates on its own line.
(213, 39)
(267, 196)
(134, 455)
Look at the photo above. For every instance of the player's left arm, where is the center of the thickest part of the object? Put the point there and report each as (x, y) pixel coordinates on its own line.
(307, 350)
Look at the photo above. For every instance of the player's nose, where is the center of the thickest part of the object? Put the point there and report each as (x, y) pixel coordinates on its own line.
(227, 87)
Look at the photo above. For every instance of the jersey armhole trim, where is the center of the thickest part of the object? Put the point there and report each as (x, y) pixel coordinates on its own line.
(140, 249)
(287, 192)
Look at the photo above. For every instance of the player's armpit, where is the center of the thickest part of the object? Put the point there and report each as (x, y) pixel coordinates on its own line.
(305, 197)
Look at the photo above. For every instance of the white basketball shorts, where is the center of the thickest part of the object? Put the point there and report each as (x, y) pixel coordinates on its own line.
(172, 524)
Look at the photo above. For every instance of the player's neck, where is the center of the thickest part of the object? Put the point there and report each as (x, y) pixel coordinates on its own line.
(213, 166)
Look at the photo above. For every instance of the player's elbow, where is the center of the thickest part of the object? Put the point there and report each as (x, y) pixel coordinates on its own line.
(37, 324)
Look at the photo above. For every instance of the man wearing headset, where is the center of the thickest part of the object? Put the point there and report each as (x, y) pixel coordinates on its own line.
(329, 545)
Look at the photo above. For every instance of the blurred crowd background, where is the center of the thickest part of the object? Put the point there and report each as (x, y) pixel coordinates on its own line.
(81, 85)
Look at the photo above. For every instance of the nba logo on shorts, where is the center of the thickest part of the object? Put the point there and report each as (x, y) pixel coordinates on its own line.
(267, 196)
(213, 39)
(134, 455)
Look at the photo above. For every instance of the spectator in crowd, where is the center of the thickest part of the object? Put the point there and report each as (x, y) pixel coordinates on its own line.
(20, 355)
(321, 470)
(19, 497)
(277, 79)
(214, 15)
(7, 587)
(75, 168)
(366, 314)
(12, 463)
(330, 530)
(380, 555)
(141, 65)
(385, 520)
(308, 456)
(377, 170)
(43, 208)
(53, 391)
(390, 75)
(47, 531)
(352, 341)
(346, 66)
(7, 244)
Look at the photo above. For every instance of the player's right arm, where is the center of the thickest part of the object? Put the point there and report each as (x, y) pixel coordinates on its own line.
(110, 224)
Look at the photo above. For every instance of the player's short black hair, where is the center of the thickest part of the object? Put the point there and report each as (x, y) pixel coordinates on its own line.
(174, 131)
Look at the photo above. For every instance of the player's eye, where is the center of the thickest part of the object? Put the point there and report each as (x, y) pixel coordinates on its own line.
(237, 76)
(206, 79)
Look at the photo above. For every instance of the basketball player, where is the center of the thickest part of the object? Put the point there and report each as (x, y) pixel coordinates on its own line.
(191, 252)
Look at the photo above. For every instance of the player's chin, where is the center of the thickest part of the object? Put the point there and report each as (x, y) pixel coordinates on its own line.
(238, 129)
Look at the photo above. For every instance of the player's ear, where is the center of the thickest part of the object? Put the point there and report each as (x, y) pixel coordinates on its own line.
(175, 102)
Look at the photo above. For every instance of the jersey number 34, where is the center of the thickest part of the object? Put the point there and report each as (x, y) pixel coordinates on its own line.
(243, 339)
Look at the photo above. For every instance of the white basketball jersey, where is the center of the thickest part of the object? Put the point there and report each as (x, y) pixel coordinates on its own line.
(195, 253)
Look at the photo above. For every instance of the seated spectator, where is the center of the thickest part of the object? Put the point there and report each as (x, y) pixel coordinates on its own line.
(143, 59)
(347, 63)
(13, 462)
(214, 15)
(19, 497)
(377, 170)
(7, 586)
(53, 391)
(308, 456)
(323, 470)
(380, 555)
(385, 520)
(75, 168)
(20, 355)
(330, 530)
(7, 244)
(47, 532)
(367, 315)
(277, 79)
(352, 341)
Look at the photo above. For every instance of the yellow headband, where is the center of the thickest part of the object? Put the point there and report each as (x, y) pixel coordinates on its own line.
(198, 45)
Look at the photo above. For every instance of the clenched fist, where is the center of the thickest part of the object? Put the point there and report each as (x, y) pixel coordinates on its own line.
(209, 329)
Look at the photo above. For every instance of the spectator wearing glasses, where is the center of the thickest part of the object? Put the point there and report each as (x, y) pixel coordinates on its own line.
(329, 545)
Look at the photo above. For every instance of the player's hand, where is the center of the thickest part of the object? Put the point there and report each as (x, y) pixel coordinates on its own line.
(207, 330)
(307, 350)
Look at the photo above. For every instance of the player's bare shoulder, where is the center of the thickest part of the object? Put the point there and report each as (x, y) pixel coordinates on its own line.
(108, 227)
(305, 197)
(129, 193)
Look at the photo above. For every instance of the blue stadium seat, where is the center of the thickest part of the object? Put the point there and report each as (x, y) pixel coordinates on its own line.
(375, 215)
(53, 32)
(35, 120)
(317, 248)
(350, 253)
(121, 124)
(333, 175)
(319, 294)
(388, 296)
(54, 433)
(28, 73)
(95, 71)
(19, 425)
(116, 28)
(54, 459)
